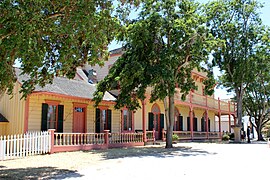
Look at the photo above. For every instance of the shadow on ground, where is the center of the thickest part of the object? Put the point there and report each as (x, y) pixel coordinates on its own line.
(159, 152)
(36, 173)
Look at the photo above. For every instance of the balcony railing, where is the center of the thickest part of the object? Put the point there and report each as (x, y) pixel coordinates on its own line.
(206, 101)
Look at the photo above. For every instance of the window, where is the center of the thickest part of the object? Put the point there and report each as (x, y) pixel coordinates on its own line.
(127, 120)
(52, 116)
(103, 119)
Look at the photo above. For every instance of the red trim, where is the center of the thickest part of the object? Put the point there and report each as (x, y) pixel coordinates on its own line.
(26, 114)
(113, 55)
(52, 102)
(70, 97)
(103, 107)
(155, 104)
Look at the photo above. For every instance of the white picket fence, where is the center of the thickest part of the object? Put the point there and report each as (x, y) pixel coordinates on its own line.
(18, 146)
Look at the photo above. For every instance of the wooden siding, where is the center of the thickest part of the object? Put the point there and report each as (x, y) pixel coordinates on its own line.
(13, 109)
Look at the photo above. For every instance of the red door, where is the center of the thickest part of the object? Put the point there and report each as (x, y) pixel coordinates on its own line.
(79, 120)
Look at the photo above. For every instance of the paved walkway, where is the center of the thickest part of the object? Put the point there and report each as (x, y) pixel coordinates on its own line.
(189, 161)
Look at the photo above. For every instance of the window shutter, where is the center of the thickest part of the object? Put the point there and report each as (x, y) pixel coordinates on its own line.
(60, 118)
(195, 124)
(44, 114)
(150, 121)
(181, 123)
(109, 120)
(161, 121)
(209, 125)
(97, 120)
(188, 123)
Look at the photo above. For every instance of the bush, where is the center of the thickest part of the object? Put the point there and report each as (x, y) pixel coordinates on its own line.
(175, 137)
(225, 137)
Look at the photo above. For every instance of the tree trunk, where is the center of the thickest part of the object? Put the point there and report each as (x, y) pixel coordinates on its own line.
(239, 105)
(259, 132)
(170, 122)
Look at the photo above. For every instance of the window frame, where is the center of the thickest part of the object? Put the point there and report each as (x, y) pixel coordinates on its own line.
(122, 120)
(53, 103)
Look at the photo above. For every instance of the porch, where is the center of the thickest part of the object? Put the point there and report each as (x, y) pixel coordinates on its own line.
(61, 142)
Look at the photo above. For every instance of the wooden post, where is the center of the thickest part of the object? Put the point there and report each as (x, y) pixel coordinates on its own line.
(191, 122)
(207, 124)
(219, 124)
(143, 121)
(106, 138)
(154, 135)
(229, 122)
(51, 131)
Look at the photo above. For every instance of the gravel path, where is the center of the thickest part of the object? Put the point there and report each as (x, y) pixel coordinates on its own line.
(185, 161)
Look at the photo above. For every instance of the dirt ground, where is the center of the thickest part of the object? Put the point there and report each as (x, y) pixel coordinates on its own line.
(58, 165)
(208, 160)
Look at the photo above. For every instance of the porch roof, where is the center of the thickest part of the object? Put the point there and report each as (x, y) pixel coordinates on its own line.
(65, 86)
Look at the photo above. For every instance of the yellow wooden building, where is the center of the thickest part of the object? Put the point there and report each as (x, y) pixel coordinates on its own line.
(66, 105)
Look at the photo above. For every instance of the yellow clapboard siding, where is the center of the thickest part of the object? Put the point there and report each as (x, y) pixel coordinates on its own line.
(12, 107)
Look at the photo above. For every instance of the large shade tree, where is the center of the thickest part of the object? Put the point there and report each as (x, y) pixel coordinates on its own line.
(163, 45)
(238, 24)
(256, 101)
(52, 38)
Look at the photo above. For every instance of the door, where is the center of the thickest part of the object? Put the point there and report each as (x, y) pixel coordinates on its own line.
(79, 120)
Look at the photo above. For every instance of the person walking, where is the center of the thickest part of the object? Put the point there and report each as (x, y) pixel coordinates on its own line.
(248, 134)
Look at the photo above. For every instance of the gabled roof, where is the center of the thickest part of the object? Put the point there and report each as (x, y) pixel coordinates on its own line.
(3, 118)
(65, 86)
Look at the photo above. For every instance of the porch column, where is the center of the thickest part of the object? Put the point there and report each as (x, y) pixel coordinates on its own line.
(229, 122)
(206, 118)
(191, 121)
(219, 124)
(143, 121)
(51, 132)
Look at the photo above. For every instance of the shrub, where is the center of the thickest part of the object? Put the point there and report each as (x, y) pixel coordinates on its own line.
(175, 137)
(225, 137)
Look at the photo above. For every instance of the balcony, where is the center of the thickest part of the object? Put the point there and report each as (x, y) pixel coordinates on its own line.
(198, 100)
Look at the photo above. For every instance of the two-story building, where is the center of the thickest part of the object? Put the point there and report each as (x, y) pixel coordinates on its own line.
(194, 117)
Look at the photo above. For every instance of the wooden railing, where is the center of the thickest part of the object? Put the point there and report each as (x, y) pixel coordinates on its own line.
(186, 135)
(69, 139)
(150, 135)
(206, 101)
(85, 141)
(125, 137)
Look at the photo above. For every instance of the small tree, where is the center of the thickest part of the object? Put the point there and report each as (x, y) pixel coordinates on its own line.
(238, 24)
(166, 42)
(256, 100)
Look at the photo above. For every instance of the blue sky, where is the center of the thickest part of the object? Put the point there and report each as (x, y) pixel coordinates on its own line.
(265, 15)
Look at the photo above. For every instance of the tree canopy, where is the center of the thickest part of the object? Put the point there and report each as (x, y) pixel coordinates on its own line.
(163, 45)
(238, 24)
(256, 100)
(52, 38)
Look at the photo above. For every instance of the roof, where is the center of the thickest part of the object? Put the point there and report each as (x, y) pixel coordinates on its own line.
(117, 51)
(65, 86)
(2, 118)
